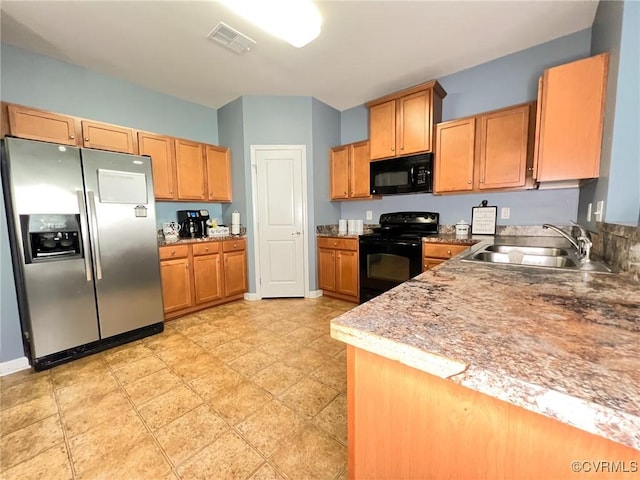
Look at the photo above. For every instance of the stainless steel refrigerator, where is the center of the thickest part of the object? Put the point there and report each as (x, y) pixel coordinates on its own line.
(83, 239)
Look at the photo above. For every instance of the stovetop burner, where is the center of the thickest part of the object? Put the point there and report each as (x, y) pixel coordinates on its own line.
(406, 225)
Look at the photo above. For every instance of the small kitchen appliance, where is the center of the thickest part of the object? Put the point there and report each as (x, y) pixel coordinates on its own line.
(392, 254)
(193, 223)
(411, 174)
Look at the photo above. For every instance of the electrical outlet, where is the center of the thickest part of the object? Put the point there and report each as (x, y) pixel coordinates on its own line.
(599, 213)
(505, 212)
(369, 215)
(589, 207)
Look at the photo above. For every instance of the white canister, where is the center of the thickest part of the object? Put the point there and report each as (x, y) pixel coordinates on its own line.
(462, 229)
(342, 226)
(235, 223)
(359, 227)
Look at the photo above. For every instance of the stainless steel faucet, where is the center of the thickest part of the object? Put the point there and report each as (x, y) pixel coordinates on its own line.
(582, 242)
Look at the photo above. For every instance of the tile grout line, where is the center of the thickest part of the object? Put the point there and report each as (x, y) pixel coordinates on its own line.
(65, 436)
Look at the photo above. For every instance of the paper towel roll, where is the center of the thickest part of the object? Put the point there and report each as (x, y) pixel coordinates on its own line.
(342, 226)
(351, 227)
(235, 223)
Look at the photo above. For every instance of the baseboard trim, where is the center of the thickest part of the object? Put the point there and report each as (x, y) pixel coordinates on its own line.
(14, 365)
(251, 296)
(314, 294)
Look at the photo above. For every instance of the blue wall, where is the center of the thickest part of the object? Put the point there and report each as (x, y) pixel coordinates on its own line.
(41, 82)
(354, 125)
(502, 82)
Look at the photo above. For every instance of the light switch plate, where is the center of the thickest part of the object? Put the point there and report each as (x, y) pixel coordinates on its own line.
(505, 212)
(599, 213)
(369, 215)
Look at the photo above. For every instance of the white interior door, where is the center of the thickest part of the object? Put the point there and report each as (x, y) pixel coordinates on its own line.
(280, 218)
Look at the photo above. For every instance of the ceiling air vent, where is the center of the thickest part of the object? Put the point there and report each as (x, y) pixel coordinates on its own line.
(231, 38)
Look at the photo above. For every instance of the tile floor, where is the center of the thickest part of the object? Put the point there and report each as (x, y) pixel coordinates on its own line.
(248, 390)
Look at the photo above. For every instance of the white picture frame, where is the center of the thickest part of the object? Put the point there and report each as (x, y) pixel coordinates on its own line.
(483, 220)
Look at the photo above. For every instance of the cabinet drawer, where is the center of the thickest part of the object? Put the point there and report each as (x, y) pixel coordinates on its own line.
(174, 251)
(205, 248)
(233, 245)
(442, 250)
(338, 243)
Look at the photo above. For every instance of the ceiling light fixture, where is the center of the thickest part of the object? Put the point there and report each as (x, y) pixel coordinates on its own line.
(295, 21)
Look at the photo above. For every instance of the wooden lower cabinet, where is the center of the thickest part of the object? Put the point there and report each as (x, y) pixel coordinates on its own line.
(338, 268)
(201, 275)
(405, 423)
(435, 253)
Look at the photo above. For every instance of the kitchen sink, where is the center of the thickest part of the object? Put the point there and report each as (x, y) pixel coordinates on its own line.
(548, 251)
(534, 256)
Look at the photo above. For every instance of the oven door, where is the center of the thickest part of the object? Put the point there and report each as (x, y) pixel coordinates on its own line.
(385, 263)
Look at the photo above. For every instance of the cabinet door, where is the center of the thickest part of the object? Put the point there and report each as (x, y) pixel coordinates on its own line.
(347, 272)
(327, 269)
(218, 162)
(40, 125)
(176, 284)
(339, 173)
(382, 130)
(207, 278)
(570, 133)
(455, 144)
(503, 146)
(414, 123)
(359, 170)
(235, 273)
(107, 137)
(190, 170)
(163, 163)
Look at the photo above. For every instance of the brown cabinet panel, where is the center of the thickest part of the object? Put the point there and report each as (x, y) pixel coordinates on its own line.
(190, 170)
(382, 130)
(327, 269)
(34, 124)
(359, 184)
(413, 127)
(163, 161)
(173, 251)
(176, 284)
(103, 136)
(455, 147)
(218, 162)
(339, 173)
(503, 148)
(234, 245)
(235, 273)
(347, 272)
(442, 250)
(338, 243)
(571, 119)
(207, 278)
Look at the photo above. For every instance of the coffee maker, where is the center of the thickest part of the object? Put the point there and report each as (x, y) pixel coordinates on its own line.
(193, 223)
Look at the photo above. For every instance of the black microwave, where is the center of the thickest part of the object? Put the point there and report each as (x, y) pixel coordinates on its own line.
(411, 174)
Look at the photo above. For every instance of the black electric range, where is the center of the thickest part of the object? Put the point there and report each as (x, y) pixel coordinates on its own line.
(392, 254)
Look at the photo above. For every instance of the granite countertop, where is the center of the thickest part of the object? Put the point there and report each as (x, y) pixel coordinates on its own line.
(337, 235)
(563, 344)
(183, 241)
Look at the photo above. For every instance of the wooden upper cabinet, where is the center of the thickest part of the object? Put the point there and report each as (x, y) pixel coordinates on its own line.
(339, 173)
(455, 150)
(103, 136)
(218, 162)
(503, 148)
(190, 171)
(163, 162)
(382, 130)
(359, 160)
(403, 123)
(489, 151)
(569, 134)
(413, 128)
(34, 124)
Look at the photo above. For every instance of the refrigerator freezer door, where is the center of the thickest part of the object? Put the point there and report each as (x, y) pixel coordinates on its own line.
(125, 246)
(56, 298)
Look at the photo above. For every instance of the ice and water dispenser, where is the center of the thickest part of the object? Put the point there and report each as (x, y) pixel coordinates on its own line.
(49, 237)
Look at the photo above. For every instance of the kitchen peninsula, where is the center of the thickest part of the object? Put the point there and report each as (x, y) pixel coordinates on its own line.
(485, 371)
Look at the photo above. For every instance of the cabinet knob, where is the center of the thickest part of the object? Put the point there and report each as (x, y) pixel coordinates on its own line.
(173, 252)
(186, 265)
(401, 148)
(171, 192)
(426, 266)
(335, 244)
(449, 252)
(393, 149)
(530, 169)
(469, 182)
(71, 137)
(481, 181)
(86, 139)
(206, 249)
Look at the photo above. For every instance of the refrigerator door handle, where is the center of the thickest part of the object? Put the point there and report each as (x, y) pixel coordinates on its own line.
(96, 242)
(84, 231)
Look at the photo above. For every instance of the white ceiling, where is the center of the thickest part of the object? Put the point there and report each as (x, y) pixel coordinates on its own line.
(366, 48)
